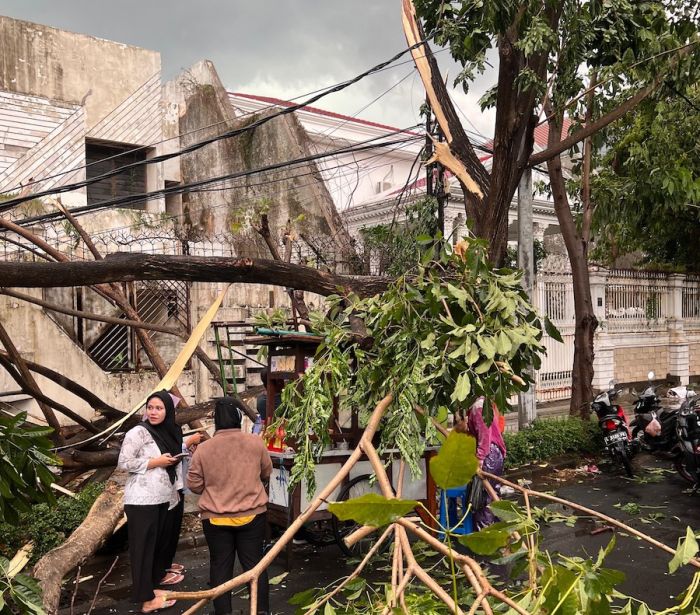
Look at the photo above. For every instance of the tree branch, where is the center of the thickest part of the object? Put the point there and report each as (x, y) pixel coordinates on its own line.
(90, 315)
(72, 387)
(31, 384)
(44, 399)
(127, 267)
(608, 118)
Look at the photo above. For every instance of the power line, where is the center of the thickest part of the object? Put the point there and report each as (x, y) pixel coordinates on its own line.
(181, 189)
(239, 201)
(200, 144)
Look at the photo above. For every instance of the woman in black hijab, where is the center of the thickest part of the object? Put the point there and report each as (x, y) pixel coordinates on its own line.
(152, 453)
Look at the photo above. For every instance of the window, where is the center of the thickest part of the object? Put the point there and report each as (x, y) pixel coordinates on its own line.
(104, 157)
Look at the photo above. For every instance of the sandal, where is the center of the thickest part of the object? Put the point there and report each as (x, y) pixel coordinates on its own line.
(176, 568)
(171, 578)
(166, 605)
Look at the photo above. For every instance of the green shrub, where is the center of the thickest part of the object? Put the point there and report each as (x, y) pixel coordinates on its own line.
(48, 525)
(545, 439)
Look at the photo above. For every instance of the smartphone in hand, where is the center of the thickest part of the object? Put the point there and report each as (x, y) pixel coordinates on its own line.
(180, 455)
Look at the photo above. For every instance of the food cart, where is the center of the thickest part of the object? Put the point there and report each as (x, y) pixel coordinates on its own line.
(289, 354)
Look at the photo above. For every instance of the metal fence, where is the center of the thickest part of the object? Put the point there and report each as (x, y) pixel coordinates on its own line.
(637, 300)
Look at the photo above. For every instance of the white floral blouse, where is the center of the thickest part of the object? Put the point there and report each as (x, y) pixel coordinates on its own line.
(143, 486)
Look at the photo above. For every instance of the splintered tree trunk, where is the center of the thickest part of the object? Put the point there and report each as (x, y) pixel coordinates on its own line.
(94, 530)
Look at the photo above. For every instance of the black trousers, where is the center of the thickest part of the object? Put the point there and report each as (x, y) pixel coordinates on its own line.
(173, 525)
(224, 543)
(146, 548)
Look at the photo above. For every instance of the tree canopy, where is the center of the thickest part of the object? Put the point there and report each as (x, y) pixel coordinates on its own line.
(648, 188)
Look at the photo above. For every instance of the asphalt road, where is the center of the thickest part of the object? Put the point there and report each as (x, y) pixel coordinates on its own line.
(665, 508)
(664, 512)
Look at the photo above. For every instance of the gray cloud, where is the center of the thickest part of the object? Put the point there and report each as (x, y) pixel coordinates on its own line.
(280, 48)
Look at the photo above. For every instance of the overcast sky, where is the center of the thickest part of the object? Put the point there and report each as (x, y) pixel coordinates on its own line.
(280, 48)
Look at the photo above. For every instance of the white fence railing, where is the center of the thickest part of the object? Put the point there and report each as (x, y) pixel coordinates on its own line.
(637, 302)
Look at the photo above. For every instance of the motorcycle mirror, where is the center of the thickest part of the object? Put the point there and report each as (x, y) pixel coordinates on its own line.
(650, 376)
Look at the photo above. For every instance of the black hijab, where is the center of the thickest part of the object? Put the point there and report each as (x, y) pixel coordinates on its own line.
(227, 413)
(167, 435)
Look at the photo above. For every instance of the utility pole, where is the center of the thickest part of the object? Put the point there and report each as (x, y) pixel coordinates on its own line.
(527, 401)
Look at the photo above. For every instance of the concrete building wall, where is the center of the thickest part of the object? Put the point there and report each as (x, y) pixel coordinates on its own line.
(39, 339)
(56, 64)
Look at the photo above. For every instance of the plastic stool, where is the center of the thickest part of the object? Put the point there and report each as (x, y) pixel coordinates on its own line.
(450, 511)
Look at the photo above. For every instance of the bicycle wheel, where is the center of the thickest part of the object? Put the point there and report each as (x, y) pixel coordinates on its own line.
(357, 487)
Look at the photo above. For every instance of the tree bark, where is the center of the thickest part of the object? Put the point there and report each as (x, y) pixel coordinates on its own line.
(586, 321)
(85, 540)
(128, 267)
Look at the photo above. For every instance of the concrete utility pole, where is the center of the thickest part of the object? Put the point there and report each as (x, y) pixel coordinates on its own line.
(527, 401)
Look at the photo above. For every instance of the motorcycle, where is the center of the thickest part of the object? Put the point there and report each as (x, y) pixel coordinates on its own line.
(617, 438)
(688, 430)
(655, 429)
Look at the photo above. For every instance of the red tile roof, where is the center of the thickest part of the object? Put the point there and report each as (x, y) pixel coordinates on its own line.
(285, 103)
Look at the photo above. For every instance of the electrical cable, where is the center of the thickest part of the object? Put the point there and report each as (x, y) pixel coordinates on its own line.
(200, 144)
(174, 218)
(181, 189)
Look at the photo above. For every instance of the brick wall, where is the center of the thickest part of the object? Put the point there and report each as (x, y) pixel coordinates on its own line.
(633, 364)
(694, 358)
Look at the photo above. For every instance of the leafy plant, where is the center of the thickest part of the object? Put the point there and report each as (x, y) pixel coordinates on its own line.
(544, 439)
(19, 593)
(395, 248)
(455, 330)
(25, 477)
(48, 525)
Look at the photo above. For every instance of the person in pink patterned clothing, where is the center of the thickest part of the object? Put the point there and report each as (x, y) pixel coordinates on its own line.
(490, 450)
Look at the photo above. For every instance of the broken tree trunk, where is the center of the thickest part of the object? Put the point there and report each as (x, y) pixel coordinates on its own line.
(128, 267)
(85, 540)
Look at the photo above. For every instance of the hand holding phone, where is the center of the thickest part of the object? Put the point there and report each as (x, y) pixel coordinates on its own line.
(180, 455)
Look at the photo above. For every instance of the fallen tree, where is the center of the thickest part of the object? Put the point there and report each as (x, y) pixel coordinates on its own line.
(129, 267)
(83, 542)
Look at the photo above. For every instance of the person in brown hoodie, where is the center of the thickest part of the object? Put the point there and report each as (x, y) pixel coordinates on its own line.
(228, 472)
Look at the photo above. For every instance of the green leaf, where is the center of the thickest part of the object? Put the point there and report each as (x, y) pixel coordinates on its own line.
(372, 509)
(303, 598)
(686, 550)
(456, 463)
(552, 331)
(278, 579)
(462, 388)
(507, 511)
(328, 609)
(486, 541)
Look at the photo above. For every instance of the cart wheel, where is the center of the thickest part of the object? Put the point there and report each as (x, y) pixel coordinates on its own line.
(357, 487)
(318, 533)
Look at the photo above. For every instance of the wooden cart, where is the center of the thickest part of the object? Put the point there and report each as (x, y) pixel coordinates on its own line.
(289, 355)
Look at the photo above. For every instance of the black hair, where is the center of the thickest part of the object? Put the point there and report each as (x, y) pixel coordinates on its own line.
(228, 413)
(263, 375)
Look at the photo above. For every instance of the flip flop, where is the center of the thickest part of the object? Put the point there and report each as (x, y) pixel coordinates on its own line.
(172, 578)
(176, 568)
(166, 605)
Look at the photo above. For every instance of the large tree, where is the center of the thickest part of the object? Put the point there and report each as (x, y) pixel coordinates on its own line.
(545, 48)
(648, 188)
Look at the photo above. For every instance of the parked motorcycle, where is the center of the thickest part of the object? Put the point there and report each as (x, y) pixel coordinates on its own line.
(617, 439)
(688, 430)
(655, 428)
